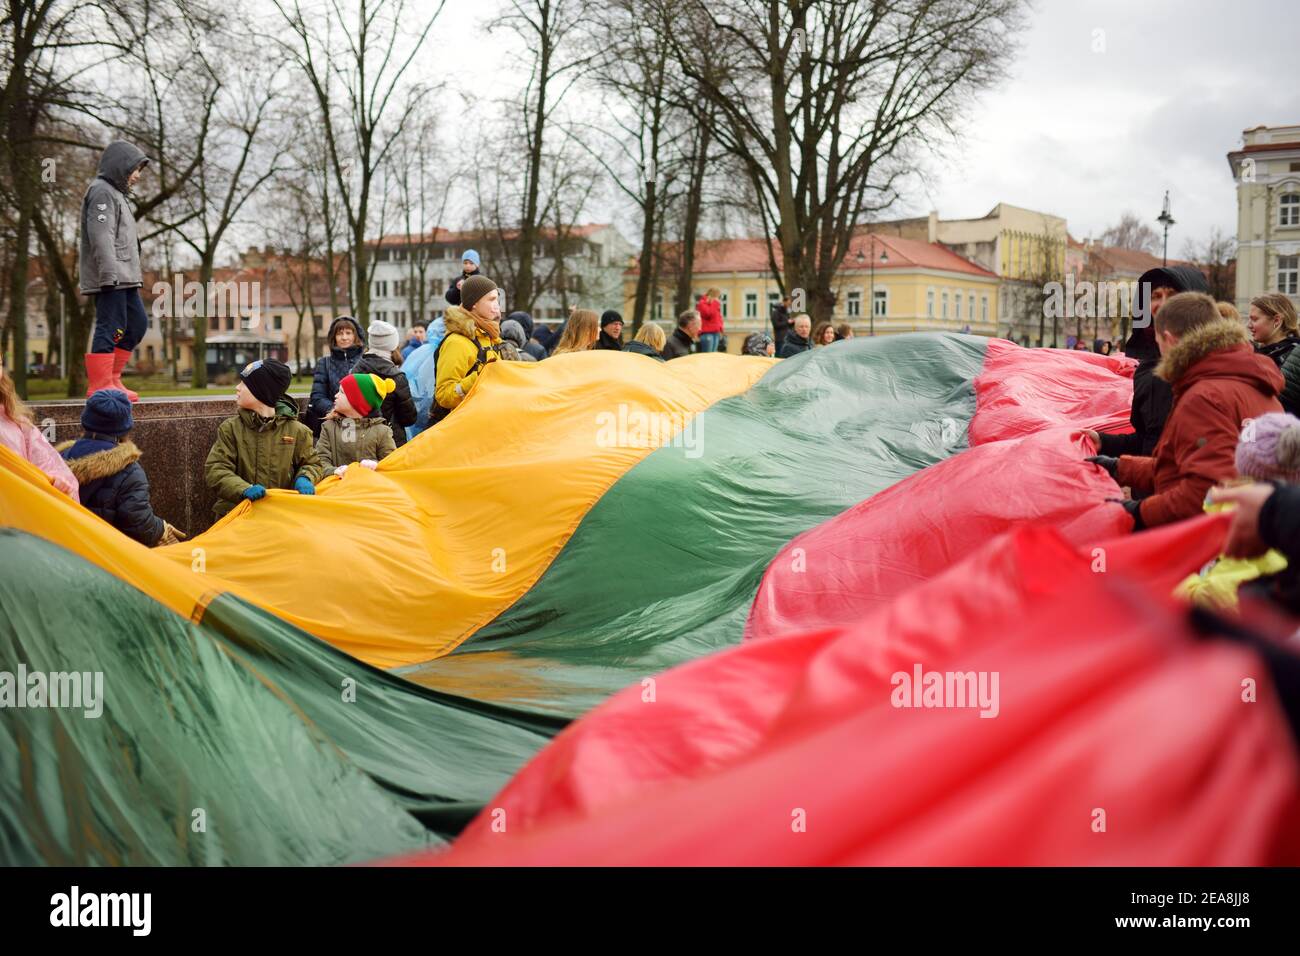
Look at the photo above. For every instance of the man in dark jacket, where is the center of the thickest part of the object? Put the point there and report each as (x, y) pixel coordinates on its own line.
(796, 340)
(398, 409)
(682, 341)
(346, 343)
(110, 267)
(1152, 397)
(107, 467)
(470, 265)
(611, 332)
(780, 314)
(531, 345)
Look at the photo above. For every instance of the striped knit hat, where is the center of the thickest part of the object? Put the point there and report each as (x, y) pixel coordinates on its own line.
(366, 392)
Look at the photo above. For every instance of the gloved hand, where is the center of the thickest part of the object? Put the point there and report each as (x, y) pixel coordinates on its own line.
(1105, 461)
(1134, 509)
(338, 472)
(253, 492)
(369, 463)
(302, 484)
(171, 534)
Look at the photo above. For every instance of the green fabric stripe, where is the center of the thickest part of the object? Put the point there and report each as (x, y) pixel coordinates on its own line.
(242, 716)
(665, 566)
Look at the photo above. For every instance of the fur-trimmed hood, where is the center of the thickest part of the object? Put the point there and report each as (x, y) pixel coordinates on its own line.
(460, 320)
(100, 464)
(1220, 349)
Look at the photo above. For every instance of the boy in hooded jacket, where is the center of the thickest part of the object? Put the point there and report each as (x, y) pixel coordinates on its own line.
(109, 267)
(264, 446)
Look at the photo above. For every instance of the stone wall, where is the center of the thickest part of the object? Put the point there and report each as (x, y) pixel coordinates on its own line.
(174, 436)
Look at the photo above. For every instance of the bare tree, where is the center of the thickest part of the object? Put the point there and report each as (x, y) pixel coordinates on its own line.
(1216, 257)
(823, 102)
(356, 79)
(1131, 233)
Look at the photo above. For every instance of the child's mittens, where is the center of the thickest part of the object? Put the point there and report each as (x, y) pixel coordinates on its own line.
(369, 463)
(302, 484)
(253, 492)
(338, 472)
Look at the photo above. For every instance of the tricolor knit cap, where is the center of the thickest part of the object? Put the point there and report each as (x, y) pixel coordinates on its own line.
(473, 289)
(267, 379)
(472, 256)
(107, 412)
(382, 336)
(366, 392)
(1269, 449)
(608, 316)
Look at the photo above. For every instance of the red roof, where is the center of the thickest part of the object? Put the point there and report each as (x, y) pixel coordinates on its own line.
(751, 255)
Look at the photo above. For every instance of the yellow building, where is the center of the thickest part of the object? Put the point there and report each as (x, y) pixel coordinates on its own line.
(1267, 169)
(911, 286)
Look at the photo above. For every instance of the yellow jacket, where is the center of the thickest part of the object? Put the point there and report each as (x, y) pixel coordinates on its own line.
(458, 357)
(1215, 585)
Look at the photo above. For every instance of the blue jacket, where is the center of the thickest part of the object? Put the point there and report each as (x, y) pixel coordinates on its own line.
(114, 486)
(330, 372)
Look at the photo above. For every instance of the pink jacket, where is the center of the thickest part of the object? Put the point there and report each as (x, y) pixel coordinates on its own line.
(710, 314)
(28, 442)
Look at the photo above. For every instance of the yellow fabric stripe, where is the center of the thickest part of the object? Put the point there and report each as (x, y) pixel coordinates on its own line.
(401, 565)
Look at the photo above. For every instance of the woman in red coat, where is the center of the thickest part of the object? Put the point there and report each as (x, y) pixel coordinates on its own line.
(710, 309)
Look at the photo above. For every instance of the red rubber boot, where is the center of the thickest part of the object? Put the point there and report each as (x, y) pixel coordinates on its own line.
(120, 358)
(99, 372)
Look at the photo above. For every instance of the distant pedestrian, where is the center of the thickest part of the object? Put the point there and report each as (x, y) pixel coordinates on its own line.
(710, 309)
(581, 332)
(611, 332)
(758, 343)
(514, 342)
(346, 343)
(469, 265)
(797, 339)
(823, 334)
(780, 316)
(419, 335)
(682, 341)
(649, 341)
(843, 331)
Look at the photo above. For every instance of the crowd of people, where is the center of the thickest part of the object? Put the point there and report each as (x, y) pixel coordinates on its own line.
(1213, 416)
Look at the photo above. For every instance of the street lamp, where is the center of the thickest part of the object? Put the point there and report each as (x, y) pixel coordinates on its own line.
(884, 259)
(1166, 220)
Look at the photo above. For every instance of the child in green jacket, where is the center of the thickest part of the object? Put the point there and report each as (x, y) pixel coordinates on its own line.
(264, 446)
(355, 431)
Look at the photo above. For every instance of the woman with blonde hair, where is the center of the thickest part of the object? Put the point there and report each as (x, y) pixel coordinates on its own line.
(580, 332)
(1272, 325)
(649, 341)
(20, 435)
(1228, 311)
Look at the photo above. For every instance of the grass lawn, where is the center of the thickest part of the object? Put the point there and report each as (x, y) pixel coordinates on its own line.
(158, 386)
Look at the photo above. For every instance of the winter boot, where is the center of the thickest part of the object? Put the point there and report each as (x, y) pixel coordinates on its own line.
(120, 358)
(99, 372)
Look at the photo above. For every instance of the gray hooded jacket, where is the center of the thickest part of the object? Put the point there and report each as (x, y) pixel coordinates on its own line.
(110, 248)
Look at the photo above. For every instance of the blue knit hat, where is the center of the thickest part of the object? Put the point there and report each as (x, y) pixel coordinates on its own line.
(107, 412)
(472, 256)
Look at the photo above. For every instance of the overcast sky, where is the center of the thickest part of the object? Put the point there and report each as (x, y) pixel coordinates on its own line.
(1082, 134)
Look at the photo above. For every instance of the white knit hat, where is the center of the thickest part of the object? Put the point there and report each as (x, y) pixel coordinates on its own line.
(383, 337)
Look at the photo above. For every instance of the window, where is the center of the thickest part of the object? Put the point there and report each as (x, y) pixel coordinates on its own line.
(970, 312)
(277, 322)
(880, 303)
(984, 309)
(659, 307)
(1288, 210)
(399, 255)
(957, 306)
(751, 305)
(853, 304)
(945, 304)
(723, 299)
(214, 324)
(929, 303)
(230, 323)
(772, 299)
(1288, 275)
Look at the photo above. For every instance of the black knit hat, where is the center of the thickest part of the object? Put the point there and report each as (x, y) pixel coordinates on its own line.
(608, 316)
(267, 379)
(473, 289)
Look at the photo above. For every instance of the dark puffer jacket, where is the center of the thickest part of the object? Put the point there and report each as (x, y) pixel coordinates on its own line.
(1291, 393)
(330, 371)
(113, 485)
(1152, 397)
(398, 408)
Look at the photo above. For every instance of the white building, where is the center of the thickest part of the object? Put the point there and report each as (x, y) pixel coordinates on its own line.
(1267, 170)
